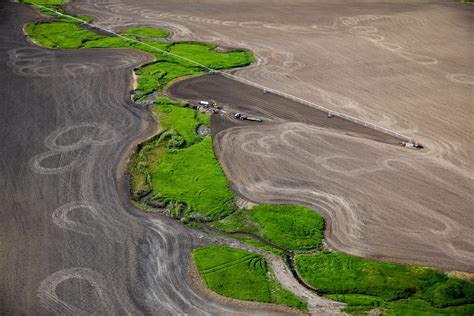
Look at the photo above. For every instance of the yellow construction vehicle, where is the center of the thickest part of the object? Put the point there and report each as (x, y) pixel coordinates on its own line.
(213, 103)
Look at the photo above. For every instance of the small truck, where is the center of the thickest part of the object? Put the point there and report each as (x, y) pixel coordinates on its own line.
(239, 116)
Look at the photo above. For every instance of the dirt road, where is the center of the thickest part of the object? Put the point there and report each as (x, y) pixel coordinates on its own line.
(71, 243)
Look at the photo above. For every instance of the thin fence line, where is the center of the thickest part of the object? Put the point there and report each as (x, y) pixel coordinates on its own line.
(242, 80)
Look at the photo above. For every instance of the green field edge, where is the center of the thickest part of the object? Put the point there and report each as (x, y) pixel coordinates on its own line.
(239, 274)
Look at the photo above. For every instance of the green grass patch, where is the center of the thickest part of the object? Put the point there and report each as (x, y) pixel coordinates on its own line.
(358, 304)
(193, 176)
(288, 226)
(147, 31)
(108, 42)
(155, 76)
(61, 34)
(361, 304)
(242, 275)
(147, 155)
(418, 307)
(68, 33)
(173, 115)
(338, 273)
(205, 55)
(43, 2)
(179, 166)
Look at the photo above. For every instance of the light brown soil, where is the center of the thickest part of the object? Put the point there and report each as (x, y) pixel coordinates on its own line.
(375, 195)
(462, 275)
(403, 65)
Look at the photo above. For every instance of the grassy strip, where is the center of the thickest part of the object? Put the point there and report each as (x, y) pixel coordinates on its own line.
(173, 115)
(420, 307)
(68, 33)
(193, 176)
(289, 226)
(147, 31)
(180, 166)
(43, 2)
(242, 275)
(155, 76)
(61, 34)
(364, 284)
(361, 304)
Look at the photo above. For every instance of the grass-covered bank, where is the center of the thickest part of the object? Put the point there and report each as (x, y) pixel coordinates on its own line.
(179, 167)
(147, 32)
(194, 57)
(397, 288)
(288, 226)
(242, 275)
(49, 3)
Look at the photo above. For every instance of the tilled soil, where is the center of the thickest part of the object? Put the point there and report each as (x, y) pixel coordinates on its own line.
(381, 200)
(403, 65)
(237, 97)
(71, 242)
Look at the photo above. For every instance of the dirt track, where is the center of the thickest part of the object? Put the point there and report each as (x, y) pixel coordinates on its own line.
(404, 65)
(71, 242)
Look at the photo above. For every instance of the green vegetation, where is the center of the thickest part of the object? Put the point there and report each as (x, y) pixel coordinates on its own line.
(288, 226)
(173, 115)
(193, 176)
(365, 284)
(420, 307)
(61, 34)
(361, 304)
(261, 245)
(206, 55)
(43, 2)
(147, 31)
(179, 166)
(68, 33)
(157, 75)
(243, 275)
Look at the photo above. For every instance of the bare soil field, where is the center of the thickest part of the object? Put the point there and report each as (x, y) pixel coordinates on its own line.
(71, 241)
(403, 65)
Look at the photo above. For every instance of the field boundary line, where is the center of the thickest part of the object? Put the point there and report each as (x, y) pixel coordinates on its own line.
(242, 80)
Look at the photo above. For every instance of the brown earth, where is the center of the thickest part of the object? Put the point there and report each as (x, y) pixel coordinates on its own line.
(403, 65)
(365, 185)
(71, 241)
